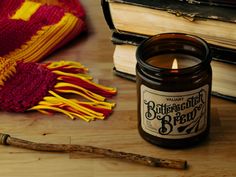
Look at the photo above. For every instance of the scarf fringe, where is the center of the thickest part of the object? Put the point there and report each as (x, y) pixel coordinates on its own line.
(73, 79)
(73, 108)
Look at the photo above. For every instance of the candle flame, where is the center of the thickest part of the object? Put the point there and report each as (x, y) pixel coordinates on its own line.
(175, 64)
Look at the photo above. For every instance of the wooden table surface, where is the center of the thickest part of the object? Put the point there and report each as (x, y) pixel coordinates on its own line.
(215, 158)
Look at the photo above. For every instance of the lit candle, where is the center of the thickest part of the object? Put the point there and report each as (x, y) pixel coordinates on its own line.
(174, 64)
(173, 87)
(173, 61)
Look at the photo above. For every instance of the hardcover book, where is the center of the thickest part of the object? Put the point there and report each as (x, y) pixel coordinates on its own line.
(215, 24)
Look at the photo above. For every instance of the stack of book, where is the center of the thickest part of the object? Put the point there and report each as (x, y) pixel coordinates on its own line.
(132, 21)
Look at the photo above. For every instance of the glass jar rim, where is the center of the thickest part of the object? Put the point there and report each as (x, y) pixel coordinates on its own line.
(141, 60)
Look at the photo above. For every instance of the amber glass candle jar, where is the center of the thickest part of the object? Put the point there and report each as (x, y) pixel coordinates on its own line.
(173, 86)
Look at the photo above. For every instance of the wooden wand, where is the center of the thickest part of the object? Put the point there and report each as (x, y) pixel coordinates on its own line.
(6, 139)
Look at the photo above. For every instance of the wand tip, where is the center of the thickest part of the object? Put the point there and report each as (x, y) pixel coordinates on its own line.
(3, 138)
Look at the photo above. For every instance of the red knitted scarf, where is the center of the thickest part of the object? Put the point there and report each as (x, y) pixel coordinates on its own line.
(24, 33)
(29, 31)
(33, 86)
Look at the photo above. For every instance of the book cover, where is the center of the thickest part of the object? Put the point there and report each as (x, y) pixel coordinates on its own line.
(178, 8)
(216, 25)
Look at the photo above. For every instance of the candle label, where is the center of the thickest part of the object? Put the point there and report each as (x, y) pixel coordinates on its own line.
(174, 115)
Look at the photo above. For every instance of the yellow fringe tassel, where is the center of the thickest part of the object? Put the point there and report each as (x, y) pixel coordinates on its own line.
(75, 108)
(67, 64)
(95, 108)
(88, 94)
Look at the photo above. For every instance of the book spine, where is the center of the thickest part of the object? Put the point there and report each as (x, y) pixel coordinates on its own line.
(107, 14)
(124, 75)
(218, 53)
(127, 38)
(223, 54)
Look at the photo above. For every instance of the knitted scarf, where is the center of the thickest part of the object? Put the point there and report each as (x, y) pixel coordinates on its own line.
(32, 30)
(29, 31)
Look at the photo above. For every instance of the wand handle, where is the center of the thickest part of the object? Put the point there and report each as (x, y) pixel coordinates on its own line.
(6, 139)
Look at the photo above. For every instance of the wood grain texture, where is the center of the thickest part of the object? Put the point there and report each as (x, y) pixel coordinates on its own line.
(214, 158)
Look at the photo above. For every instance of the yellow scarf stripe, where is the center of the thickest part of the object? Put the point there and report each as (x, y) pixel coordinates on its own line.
(45, 40)
(71, 107)
(26, 10)
(105, 105)
(39, 107)
(58, 103)
(79, 75)
(86, 78)
(89, 95)
(72, 115)
(68, 64)
(7, 69)
(74, 105)
(78, 93)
